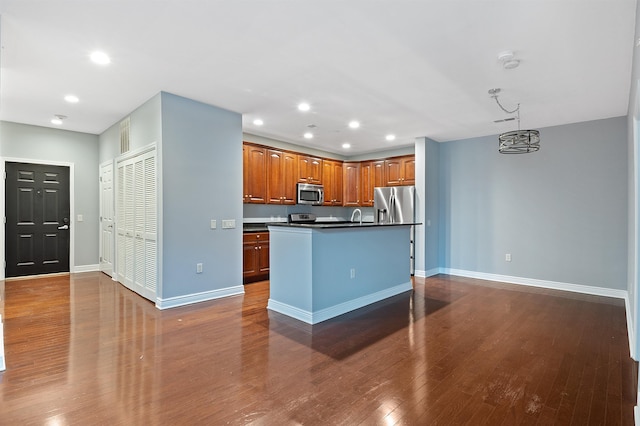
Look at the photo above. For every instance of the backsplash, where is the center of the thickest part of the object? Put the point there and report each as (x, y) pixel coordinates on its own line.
(259, 213)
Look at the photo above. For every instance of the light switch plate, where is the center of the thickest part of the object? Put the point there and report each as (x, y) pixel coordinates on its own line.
(80, 218)
(213, 224)
(228, 223)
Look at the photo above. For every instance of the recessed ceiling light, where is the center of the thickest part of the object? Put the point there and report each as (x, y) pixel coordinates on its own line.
(346, 145)
(354, 124)
(72, 99)
(390, 137)
(57, 119)
(308, 135)
(258, 122)
(100, 58)
(304, 106)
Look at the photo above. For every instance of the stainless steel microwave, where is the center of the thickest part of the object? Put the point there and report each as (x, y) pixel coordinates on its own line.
(310, 194)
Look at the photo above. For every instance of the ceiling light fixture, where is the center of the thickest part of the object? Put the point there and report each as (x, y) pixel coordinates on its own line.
(72, 99)
(258, 122)
(390, 137)
(308, 135)
(517, 141)
(354, 124)
(304, 106)
(57, 119)
(100, 58)
(346, 145)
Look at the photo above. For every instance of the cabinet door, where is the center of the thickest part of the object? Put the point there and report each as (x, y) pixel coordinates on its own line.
(409, 170)
(327, 182)
(250, 264)
(290, 175)
(309, 169)
(255, 170)
(351, 184)
(377, 175)
(263, 257)
(338, 183)
(275, 177)
(393, 172)
(374, 173)
(332, 182)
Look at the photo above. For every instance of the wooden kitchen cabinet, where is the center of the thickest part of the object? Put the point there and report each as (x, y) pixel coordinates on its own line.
(309, 169)
(400, 170)
(282, 173)
(255, 256)
(351, 184)
(371, 176)
(254, 174)
(332, 182)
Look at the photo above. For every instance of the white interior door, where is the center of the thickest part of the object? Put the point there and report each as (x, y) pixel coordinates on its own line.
(106, 218)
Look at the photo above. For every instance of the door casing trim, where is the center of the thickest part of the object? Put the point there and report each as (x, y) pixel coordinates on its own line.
(72, 233)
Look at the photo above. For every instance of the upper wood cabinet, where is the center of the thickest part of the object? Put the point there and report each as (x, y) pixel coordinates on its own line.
(309, 169)
(255, 174)
(282, 172)
(371, 176)
(332, 182)
(400, 170)
(270, 176)
(351, 184)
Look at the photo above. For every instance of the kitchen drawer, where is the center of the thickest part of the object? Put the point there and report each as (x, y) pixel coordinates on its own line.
(255, 237)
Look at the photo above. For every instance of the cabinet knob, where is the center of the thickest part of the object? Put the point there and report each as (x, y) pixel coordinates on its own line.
(255, 248)
(260, 248)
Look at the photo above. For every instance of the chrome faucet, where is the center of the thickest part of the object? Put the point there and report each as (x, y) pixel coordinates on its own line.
(359, 213)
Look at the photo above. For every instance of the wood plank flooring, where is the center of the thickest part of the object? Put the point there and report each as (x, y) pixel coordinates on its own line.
(82, 349)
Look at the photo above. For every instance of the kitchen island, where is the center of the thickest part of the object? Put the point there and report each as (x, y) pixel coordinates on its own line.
(320, 271)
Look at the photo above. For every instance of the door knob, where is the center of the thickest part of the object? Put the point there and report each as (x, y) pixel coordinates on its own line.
(63, 227)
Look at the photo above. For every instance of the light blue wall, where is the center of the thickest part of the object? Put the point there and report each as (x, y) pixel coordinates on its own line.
(81, 149)
(201, 180)
(145, 128)
(427, 202)
(561, 212)
(633, 206)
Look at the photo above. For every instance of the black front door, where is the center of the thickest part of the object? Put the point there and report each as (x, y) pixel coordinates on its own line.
(37, 227)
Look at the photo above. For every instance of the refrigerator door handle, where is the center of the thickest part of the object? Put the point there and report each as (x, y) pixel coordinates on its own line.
(392, 208)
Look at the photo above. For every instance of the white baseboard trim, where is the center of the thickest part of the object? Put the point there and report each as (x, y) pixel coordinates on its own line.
(86, 268)
(636, 415)
(630, 330)
(174, 302)
(425, 274)
(339, 309)
(554, 285)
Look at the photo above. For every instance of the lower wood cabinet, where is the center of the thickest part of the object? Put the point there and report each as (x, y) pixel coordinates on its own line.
(255, 256)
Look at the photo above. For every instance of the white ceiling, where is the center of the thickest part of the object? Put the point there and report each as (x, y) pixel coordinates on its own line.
(411, 68)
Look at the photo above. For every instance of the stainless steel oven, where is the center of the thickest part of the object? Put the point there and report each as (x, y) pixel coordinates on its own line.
(310, 194)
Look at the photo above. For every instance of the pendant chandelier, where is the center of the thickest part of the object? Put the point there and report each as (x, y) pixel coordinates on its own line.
(516, 141)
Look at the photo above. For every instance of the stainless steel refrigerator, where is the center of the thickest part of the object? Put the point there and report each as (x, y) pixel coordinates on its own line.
(396, 204)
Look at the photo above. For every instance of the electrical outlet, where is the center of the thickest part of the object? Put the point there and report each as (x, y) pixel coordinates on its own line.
(507, 257)
(228, 223)
(198, 268)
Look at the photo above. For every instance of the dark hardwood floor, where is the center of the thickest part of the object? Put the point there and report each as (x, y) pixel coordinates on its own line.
(84, 350)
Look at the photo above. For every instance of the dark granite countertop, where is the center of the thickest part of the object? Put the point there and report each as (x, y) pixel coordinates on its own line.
(337, 225)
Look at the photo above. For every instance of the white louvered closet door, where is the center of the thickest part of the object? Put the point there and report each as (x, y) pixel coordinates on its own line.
(137, 224)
